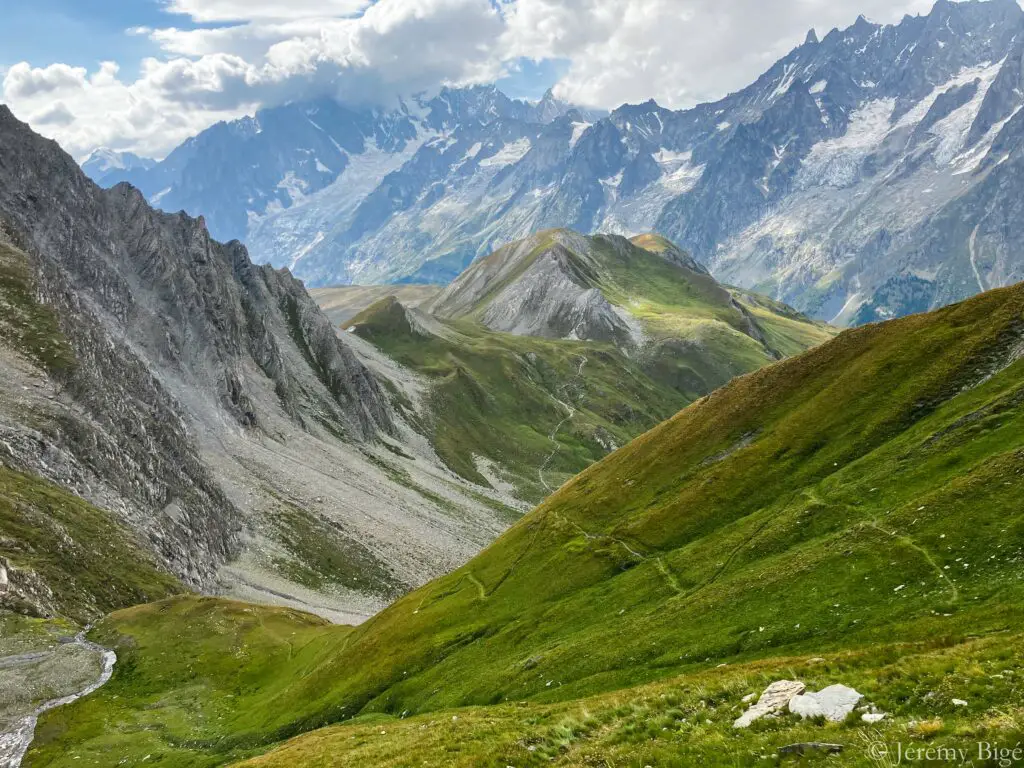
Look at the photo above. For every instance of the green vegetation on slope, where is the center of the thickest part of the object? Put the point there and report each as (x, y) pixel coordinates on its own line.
(191, 673)
(319, 554)
(863, 497)
(687, 721)
(72, 557)
(26, 324)
(506, 398)
(543, 409)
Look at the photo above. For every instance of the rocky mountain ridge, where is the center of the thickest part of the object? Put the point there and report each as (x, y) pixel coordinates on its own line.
(867, 174)
(207, 402)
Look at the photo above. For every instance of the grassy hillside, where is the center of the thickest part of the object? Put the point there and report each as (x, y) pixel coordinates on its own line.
(26, 324)
(687, 721)
(539, 410)
(859, 504)
(69, 557)
(342, 303)
(507, 399)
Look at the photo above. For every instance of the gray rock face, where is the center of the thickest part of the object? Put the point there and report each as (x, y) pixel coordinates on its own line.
(774, 698)
(872, 173)
(168, 328)
(551, 299)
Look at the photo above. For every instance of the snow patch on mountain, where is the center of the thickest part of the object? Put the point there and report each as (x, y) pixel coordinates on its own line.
(508, 155)
(952, 131)
(578, 129)
(972, 157)
(836, 162)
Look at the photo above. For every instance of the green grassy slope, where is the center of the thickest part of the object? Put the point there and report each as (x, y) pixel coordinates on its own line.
(76, 559)
(506, 397)
(864, 497)
(687, 721)
(195, 682)
(26, 324)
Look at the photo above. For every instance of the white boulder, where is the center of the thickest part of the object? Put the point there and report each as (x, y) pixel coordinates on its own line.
(833, 703)
(773, 699)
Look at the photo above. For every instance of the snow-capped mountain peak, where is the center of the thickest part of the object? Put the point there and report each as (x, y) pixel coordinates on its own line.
(866, 174)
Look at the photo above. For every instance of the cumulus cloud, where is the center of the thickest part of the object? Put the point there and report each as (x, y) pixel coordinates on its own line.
(84, 111)
(248, 10)
(24, 82)
(395, 47)
(56, 114)
(267, 52)
(679, 52)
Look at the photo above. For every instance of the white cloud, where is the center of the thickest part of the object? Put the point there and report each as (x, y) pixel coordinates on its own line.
(22, 81)
(396, 47)
(680, 52)
(267, 52)
(83, 110)
(249, 10)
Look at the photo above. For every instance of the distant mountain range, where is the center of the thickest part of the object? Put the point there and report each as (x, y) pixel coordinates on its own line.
(108, 167)
(871, 173)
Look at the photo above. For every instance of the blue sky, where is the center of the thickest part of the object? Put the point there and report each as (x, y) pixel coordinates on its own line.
(76, 72)
(81, 32)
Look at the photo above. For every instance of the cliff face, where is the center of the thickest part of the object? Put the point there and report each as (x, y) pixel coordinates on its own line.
(160, 329)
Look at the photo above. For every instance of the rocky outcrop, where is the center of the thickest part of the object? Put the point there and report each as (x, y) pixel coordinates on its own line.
(552, 299)
(775, 698)
(833, 703)
(168, 329)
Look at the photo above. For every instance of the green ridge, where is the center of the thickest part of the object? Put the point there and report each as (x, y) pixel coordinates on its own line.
(504, 397)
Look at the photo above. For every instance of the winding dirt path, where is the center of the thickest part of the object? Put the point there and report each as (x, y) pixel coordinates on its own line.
(553, 437)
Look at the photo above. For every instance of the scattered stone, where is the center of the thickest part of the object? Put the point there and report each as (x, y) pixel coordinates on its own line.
(749, 698)
(833, 703)
(811, 746)
(774, 698)
(959, 703)
(873, 717)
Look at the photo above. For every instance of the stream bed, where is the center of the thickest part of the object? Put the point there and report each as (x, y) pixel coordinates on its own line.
(17, 738)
